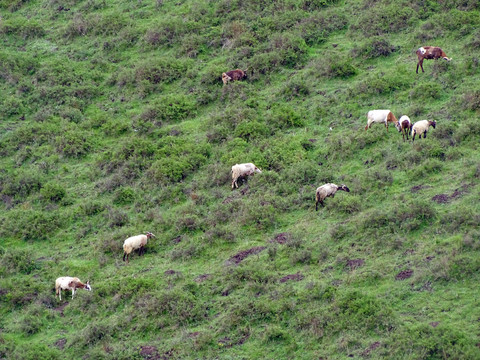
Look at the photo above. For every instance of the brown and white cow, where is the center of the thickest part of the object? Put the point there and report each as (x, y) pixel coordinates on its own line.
(430, 52)
(70, 283)
(234, 75)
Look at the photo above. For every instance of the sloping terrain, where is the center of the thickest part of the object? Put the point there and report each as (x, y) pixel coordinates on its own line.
(114, 121)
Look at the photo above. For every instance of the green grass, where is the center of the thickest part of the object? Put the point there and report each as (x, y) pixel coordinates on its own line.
(114, 121)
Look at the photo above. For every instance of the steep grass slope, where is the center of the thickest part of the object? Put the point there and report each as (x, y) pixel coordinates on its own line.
(114, 122)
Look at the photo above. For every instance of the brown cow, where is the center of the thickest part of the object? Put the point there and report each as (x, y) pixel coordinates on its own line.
(234, 75)
(430, 52)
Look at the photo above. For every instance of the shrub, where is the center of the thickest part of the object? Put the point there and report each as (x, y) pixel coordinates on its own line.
(74, 143)
(285, 116)
(21, 183)
(19, 260)
(316, 28)
(53, 191)
(31, 224)
(291, 49)
(250, 130)
(425, 92)
(384, 19)
(172, 108)
(159, 70)
(124, 195)
(296, 88)
(25, 28)
(374, 47)
(12, 105)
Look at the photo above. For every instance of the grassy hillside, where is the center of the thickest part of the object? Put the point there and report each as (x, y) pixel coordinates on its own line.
(115, 121)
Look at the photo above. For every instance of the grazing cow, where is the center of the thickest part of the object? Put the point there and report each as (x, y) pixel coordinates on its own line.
(380, 116)
(327, 190)
(243, 170)
(404, 126)
(430, 52)
(421, 127)
(70, 283)
(234, 75)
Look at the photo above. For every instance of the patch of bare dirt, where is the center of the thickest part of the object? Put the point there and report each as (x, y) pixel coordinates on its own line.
(202, 278)
(296, 277)
(441, 198)
(417, 188)
(355, 263)
(405, 274)
(61, 307)
(409, 252)
(171, 272)
(281, 238)
(372, 347)
(242, 255)
(194, 334)
(434, 324)
(228, 200)
(149, 352)
(177, 239)
(429, 258)
(228, 343)
(444, 198)
(60, 343)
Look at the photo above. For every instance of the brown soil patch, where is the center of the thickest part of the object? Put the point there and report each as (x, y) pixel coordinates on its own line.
(149, 352)
(194, 334)
(228, 200)
(441, 198)
(429, 258)
(202, 278)
(177, 239)
(61, 307)
(434, 324)
(281, 238)
(296, 277)
(417, 188)
(355, 263)
(171, 272)
(405, 274)
(444, 198)
(60, 343)
(372, 347)
(242, 255)
(409, 252)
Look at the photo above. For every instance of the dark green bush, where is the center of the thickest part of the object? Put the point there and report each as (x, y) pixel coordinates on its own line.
(25, 28)
(74, 143)
(425, 92)
(159, 70)
(285, 116)
(124, 195)
(53, 191)
(291, 49)
(19, 261)
(374, 47)
(173, 108)
(251, 129)
(384, 19)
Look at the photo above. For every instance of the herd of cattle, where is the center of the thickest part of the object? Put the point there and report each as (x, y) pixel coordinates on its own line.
(404, 125)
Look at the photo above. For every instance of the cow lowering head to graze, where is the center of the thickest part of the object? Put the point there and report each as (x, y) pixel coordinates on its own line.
(421, 127)
(135, 242)
(70, 283)
(430, 52)
(404, 126)
(327, 190)
(380, 116)
(243, 170)
(234, 75)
